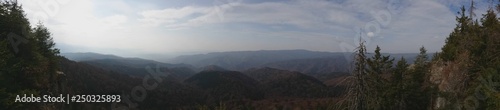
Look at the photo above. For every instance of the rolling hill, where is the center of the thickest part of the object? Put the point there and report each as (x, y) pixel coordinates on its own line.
(242, 60)
(225, 86)
(304, 61)
(129, 66)
(83, 78)
(312, 65)
(282, 83)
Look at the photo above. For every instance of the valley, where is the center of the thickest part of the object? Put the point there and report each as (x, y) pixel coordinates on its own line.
(306, 78)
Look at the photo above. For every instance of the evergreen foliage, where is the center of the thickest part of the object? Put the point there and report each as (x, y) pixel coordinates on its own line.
(28, 64)
(473, 46)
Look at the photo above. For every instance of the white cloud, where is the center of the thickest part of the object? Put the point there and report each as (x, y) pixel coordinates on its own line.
(311, 14)
(114, 20)
(314, 25)
(417, 26)
(168, 16)
(75, 23)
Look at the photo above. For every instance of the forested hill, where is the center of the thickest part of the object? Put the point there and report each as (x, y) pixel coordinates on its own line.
(28, 62)
(464, 75)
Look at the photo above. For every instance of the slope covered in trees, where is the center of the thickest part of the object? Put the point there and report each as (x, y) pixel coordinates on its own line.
(463, 76)
(28, 58)
(469, 64)
(282, 83)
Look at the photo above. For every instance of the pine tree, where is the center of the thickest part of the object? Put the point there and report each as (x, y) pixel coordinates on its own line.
(379, 64)
(399, 72)
(487, 64)
(398, 92)
(378, 86)
(45, 46)
(27, 60)
(418, 95)
(491, 40)
(360, 74)
(454, 40)
(44, 41)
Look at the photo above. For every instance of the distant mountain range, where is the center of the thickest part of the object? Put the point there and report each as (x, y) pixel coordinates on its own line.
(85, 56)
(242, 60)
(308, 62)
(129, 66)
(112, 59)
(304, 61)
(312, 65)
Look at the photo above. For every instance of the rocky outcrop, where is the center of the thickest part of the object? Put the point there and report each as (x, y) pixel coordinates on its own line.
(450, 78)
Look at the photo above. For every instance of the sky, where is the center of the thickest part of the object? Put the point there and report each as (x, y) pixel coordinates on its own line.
(165, 28)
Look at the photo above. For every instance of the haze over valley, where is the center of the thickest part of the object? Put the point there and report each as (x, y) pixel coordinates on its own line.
(249, 54)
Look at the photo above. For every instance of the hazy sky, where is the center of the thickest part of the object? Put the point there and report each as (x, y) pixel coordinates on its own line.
(139, 27)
